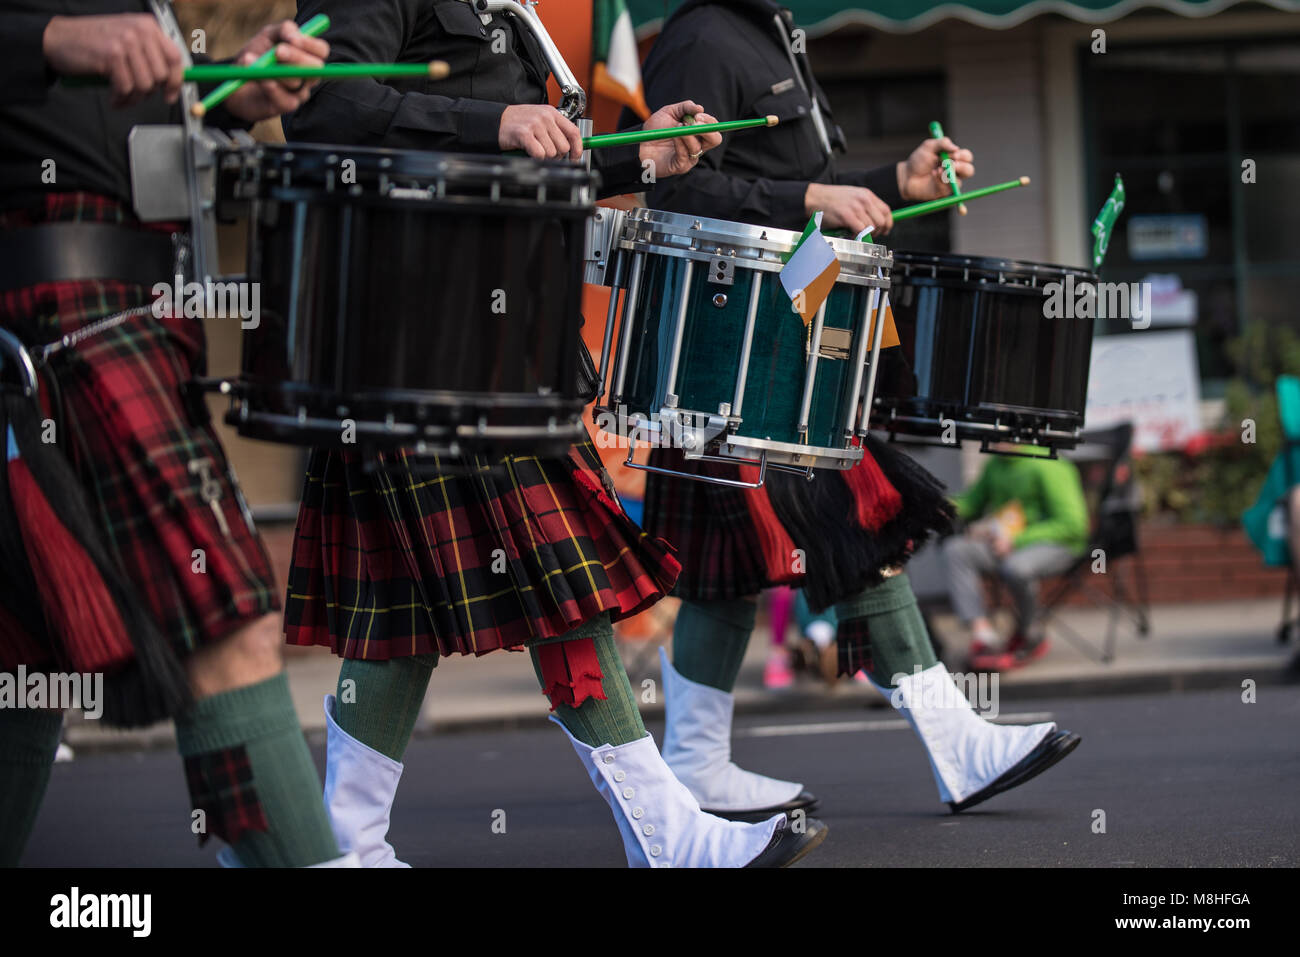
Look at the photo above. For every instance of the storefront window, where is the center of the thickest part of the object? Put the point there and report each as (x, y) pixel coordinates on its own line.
(1224, 252)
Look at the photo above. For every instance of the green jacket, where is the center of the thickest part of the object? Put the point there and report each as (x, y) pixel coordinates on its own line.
(1048, 490)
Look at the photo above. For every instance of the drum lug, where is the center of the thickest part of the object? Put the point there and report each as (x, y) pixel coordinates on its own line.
(696, 440)
(722, 272)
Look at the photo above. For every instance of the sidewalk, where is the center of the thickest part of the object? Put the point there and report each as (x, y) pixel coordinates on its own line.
(1190, 646)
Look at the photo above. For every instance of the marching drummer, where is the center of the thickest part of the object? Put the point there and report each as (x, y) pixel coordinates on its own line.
(741, 57)
(737, 54)
(492, 99)
(392, 569)
(115, 484)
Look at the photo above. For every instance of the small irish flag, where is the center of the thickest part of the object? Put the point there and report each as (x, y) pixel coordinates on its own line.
(617, 71)
(809, 274)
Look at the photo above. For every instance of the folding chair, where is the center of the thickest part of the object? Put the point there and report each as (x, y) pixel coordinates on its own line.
(1105, 463)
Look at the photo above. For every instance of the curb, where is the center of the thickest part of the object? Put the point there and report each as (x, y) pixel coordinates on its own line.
(1266, 672)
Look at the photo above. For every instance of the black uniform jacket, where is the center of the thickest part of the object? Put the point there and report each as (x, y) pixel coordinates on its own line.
(732, 58)
(494, 64)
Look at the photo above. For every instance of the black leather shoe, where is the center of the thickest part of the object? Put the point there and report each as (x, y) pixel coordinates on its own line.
(786, 846)
(1050, 750)
(804, 800)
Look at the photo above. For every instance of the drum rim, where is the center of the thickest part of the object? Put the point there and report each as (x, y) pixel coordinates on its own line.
(904, 258)
(312, 395)
(638, 422)
(855, 258)
(468, 168)
(844, 458)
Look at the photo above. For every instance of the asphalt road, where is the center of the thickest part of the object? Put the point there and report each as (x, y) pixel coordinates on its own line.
(1196, 779)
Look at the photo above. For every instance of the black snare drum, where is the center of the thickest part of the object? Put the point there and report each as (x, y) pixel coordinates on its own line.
(980, 359)
(411, 299)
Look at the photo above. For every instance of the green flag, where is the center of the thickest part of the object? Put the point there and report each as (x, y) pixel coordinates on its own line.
(1104, 224)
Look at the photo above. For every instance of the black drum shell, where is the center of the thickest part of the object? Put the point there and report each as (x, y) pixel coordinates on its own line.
(434, 299)
(977, 349)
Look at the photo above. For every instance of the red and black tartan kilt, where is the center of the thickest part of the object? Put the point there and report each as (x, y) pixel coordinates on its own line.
(832, 536)
(465, 561)
(143, 450)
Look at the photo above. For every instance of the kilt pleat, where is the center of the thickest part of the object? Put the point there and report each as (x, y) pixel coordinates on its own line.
(463, 556)
(711, 526)
(730, 540)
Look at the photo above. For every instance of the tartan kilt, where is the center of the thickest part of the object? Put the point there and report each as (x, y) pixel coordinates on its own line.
(712, 527)
(736, 542)
(466, 560)
(143, 450)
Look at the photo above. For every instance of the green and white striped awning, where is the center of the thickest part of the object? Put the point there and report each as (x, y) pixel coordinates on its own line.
(908, 16)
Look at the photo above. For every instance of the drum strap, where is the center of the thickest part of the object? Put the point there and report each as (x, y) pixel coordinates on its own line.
(783, 26)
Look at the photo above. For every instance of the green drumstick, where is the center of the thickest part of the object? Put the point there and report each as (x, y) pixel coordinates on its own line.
(690, 128)
(945, 160)
(312, 28)
(934, 205)
(219, 72)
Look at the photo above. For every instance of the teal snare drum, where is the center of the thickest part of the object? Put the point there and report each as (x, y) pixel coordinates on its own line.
(711, 358)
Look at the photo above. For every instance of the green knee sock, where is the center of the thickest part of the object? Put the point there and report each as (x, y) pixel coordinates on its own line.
(244, 748)
(615, 720)
(885, 627)
(28, 740)
(378, 702)
(710, 638)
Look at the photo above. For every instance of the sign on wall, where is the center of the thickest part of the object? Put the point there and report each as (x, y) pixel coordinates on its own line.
(1169, 236)
(1149, 379)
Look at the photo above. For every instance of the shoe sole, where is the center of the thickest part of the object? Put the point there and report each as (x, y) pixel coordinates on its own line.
(1060, 744)
(809, 846)
(762, 814)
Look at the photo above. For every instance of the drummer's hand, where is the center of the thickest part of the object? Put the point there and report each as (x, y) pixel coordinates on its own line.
(541, 131)
(128, 48)
(920, 176)
(680, 154)
(848, 207)
(261, 101)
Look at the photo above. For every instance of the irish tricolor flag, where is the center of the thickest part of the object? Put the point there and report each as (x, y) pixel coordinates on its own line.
(809, 274)
(617, 72)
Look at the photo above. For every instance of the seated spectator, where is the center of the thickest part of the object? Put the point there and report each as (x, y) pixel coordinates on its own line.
(1026, 519)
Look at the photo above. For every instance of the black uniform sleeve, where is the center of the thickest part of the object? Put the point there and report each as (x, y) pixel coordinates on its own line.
(706, 190)
(620, 169)
(22, 51)
(883, 181)
(367, 112)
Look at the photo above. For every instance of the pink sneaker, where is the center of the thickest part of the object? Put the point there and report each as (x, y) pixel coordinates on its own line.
(777, 673)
